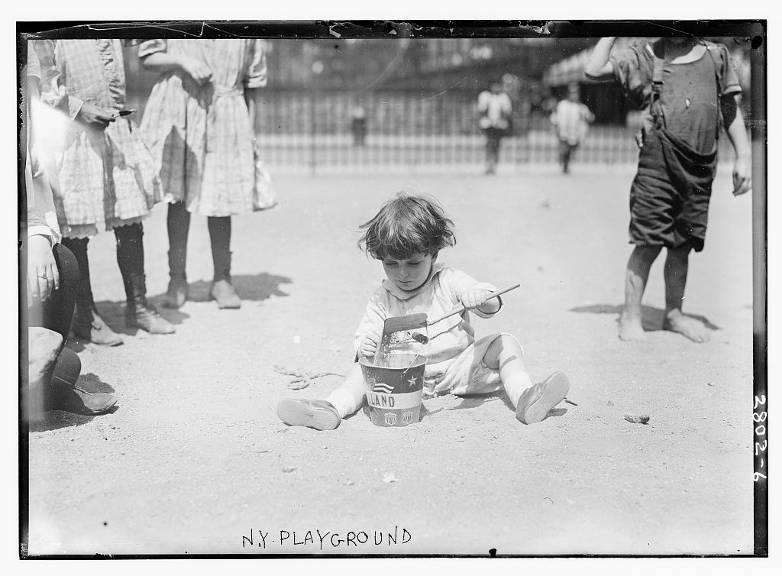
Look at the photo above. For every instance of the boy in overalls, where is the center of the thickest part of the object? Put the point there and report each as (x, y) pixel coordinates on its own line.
(688, 89)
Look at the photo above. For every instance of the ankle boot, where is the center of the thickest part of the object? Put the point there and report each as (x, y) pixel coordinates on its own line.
(222, 290)
(130, 257)
(220, 236)
(178, 226)
(87, 323)
(224, 294)
(176, 295)
(140, 314)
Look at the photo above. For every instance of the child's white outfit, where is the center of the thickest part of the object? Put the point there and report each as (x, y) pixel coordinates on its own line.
(454, 358)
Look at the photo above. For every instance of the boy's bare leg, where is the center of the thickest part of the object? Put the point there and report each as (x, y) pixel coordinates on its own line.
(676, 266)
(638, 266)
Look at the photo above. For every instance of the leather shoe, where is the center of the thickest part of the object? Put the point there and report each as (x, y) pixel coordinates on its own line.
(87, 396)
(224, 293)
(93, 328)
(147, 318)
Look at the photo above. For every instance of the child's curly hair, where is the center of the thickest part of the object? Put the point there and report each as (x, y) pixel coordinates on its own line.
(407, 225)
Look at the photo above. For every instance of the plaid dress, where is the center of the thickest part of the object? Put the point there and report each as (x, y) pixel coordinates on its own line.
(106, 177)
(200, 136)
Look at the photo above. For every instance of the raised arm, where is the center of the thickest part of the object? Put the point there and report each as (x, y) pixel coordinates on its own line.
(599, 67)
(471, 293)
(167, 62)
(737, 134)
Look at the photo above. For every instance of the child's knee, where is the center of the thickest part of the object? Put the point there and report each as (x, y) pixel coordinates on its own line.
(503, 349)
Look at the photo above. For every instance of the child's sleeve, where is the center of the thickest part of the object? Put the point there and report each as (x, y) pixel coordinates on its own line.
(458, 283)
(148, 47)
(53, 91)
(41, 214)
(586, 114)
(554, 118)
(483, 102)
(33, 63)
(256, 71)
(372, 322)
(633, 71)
(626, 62)
(727, 74)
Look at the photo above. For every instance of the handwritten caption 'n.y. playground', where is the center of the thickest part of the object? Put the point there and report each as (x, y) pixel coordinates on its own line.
(321, 540)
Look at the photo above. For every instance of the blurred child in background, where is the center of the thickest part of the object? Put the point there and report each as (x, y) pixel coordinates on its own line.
(571, 119)
(494, 108)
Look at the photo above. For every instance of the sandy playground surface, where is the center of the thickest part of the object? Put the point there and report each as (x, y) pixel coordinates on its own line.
(195, 460)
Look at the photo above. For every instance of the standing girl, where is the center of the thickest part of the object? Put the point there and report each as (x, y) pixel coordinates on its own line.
(199, 123)
(106, 175)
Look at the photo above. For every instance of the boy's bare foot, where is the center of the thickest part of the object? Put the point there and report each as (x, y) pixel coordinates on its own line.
(630, 329)
(317, 414)
(688, 327)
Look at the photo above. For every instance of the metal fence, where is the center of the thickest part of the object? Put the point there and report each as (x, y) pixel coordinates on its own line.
(322, 129)
(319, 130)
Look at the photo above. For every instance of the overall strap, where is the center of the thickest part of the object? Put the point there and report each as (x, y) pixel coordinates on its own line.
(657, 87)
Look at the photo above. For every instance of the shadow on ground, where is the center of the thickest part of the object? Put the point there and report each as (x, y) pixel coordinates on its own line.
(473, 401)
(255, 288)
(56, 419)
(652, 317)
(469, 402)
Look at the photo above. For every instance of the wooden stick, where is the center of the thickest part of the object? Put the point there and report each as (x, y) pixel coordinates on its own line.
(460, 309)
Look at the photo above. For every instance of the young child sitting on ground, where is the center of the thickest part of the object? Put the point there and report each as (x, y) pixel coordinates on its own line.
(407, 235)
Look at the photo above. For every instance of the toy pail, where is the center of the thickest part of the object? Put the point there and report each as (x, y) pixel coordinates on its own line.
(394, 389)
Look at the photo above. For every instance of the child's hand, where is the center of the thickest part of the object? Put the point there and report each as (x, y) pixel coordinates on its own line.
(198, 70)
(95, 116)
(742, 175)
(476, 298)
(368, 346)
(42, 274)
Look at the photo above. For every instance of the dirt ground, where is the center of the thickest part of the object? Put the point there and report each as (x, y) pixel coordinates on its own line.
(196, 461)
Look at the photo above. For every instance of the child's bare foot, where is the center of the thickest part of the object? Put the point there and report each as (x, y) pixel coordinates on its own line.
(317, 414)
(537, 400)
(687, 327)
(630, 328)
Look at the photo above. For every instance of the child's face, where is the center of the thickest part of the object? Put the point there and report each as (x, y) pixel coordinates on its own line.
(410, 274)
